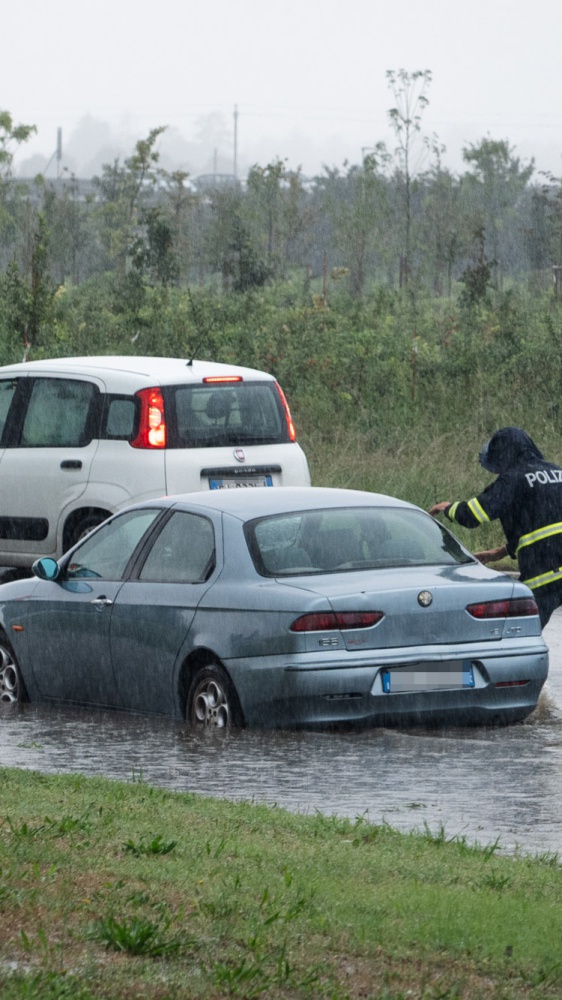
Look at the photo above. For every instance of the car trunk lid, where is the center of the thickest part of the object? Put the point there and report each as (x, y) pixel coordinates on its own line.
(421, 606)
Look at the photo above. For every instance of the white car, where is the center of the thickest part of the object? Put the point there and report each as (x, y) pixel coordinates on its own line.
(83, 437)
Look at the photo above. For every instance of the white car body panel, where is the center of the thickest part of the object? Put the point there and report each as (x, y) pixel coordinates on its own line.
(61, 483)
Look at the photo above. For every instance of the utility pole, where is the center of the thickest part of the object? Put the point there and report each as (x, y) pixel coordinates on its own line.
(235, 165)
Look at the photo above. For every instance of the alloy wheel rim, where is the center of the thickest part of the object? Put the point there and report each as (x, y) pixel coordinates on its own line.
(8, 679)
(210, 705)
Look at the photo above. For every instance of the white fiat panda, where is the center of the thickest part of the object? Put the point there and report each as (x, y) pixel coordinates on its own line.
(83, 437)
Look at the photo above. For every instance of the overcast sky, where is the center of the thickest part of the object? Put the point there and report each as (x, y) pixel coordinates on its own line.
(307, 76)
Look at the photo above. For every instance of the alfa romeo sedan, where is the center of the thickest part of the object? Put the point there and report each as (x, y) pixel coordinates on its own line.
(274, 607)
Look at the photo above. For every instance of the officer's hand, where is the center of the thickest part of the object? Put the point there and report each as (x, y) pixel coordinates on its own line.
(491, 555)
(438, 508)
(486, 556)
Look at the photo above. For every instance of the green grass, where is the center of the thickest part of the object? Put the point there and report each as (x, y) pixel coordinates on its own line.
(112, 890)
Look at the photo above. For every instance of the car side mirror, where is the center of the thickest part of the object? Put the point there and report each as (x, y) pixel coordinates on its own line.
(46, 569)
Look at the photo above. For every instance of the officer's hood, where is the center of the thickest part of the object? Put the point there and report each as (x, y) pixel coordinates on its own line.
(508, 448)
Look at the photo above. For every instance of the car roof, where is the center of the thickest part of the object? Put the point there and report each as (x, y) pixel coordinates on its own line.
(146, 369)
(249, 503)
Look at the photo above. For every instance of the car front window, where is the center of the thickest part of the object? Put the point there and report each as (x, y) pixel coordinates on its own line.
(58, 414)
(326, 541)
(107, 553)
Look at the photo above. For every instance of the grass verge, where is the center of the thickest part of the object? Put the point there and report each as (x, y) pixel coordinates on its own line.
(124, 890)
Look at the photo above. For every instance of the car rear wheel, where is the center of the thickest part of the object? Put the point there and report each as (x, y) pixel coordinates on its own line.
(12, 690)
(212, 700)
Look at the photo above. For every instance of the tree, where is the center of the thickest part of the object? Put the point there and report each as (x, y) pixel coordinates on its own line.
(276, 215)
(552, 200)
(11, 136)
(477, 277)
(72, 242)
(231, 245)
(153, 251)
(357, 204)
(225, 205)
(498, 181)
(183, 206)
(29, 299)
(248, 270)
(443, 224)
(410, 94)
(123, 189)
(539, 229)
(265, 206)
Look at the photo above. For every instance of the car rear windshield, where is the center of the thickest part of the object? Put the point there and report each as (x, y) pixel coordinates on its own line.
(330, 541)
(240, 413)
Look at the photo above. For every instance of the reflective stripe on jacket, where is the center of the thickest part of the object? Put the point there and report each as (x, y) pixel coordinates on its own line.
(527, 500)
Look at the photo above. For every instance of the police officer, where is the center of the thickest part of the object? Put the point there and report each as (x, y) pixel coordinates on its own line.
(526, 498)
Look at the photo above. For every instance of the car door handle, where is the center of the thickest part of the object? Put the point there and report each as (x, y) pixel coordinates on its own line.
(101, 602)
(71, 463)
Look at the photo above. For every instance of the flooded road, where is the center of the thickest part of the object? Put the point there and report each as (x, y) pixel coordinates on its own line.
(477, 783)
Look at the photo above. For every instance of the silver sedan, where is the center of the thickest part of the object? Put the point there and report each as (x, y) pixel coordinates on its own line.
(275, 607)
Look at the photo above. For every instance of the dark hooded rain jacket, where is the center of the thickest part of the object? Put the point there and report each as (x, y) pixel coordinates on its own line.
(527, 499)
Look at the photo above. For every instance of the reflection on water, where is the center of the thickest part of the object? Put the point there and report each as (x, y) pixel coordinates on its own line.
(478, 783)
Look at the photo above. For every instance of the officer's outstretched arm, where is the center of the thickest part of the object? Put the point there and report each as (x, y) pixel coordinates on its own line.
(491, 555)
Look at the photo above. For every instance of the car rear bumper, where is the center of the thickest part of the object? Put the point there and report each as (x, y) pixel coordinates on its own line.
(306, 691)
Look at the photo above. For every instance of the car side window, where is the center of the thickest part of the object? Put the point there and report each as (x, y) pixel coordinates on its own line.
(107, 553)
(183, 551)
(57, 414)
(8, 388)
(121, 417)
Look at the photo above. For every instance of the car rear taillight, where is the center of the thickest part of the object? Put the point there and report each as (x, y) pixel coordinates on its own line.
(517, 607)
(152, 424)
(290, 425)
(214, 379)
(325, 621)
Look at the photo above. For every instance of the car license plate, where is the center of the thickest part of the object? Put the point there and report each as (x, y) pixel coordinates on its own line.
(239, 482)
(449, 675)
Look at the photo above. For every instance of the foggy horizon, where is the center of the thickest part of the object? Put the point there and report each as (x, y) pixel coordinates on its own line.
(309, 80)
(93, 142)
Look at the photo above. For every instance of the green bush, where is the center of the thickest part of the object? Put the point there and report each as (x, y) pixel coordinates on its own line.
(393, 393)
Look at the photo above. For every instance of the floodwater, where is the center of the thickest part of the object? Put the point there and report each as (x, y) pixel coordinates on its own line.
(480, 784)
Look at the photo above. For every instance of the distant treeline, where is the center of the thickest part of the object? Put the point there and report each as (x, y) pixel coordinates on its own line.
(365, 226)
(399, 304)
